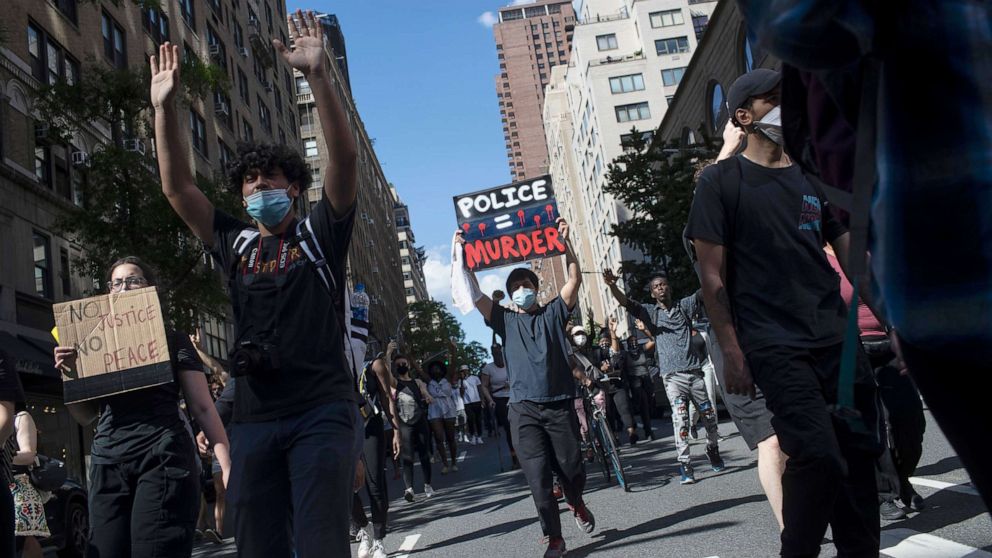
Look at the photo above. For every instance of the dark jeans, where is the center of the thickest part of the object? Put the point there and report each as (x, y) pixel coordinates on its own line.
(905, 425)
(146, 506)
(940, 375)
(830, 475)
(546, 436)
(503, 420)
(474, 413)
(300, 466)
(642, 392)
(619, 407)
(7, 546)
(415, 438)
(374, 457)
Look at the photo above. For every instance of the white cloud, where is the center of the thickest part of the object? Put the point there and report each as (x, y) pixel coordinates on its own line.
(521, 2)
(488, 19)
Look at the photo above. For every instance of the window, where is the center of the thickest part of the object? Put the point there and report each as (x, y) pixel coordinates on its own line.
(156, 24)
(42, 265)
(535, 12)
(672, 46)
(222, 108)
(606, 42)
(225, 153)
(625, 84)
(64, 272)
(248, 133)
(49, 61)
(636, 111)
(669, 99)
(199, 130)
(264, 116)
(627, 140)
(215, 337)
(268, 16)
(114, 45)
(187, 12)
(243, 87)
(310, 148)
(68, 9)
(667, 18)
(672, 76)
(218, 52)
(239, 36)
(718, 107)
(43, 165)
(699, 22)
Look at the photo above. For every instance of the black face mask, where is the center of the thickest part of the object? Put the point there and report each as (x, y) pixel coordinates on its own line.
(402, 369)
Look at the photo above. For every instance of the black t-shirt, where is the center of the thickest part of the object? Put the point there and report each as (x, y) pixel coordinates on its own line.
(10, 391)
(276, 293)
(636, 363)
(132, 423)
(783, 290)
(536, 351)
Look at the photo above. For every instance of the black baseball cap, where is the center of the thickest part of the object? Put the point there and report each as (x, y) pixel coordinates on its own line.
(755, 82)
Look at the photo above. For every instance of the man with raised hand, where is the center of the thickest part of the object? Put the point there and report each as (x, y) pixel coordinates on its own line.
(542, 418)
(296, 420)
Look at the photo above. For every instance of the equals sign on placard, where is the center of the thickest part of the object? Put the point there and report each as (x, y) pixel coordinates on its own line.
(503, 222)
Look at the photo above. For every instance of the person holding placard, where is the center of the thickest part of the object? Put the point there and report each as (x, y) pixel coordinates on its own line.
(144, 483)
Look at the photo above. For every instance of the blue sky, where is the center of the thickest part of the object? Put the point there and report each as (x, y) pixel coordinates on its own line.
(423, 77)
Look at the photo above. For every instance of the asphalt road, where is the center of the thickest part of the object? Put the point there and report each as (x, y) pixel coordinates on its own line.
(482, 512)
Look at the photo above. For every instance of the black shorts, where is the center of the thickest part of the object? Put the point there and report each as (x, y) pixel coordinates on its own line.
(752, 417)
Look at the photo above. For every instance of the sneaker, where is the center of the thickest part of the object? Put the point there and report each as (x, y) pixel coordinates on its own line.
(713, 453)
(454, 468)
(364, 543)
(408, 495)
(583, 517)
(556, 491)
(556, 548)
(633, 439)
(213, 536)
(913, 501)
(685, 470)
(378, 549)
(428, 491)
(890, 511)
(198, 534)
(444, 470)
(478, 441)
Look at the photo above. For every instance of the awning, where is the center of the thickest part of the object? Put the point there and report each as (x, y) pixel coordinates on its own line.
(30, 356)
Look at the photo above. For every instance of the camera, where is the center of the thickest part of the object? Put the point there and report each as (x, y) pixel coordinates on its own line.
(254, 356)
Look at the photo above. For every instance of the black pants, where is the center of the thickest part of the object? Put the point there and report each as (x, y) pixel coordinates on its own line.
(146, 506)
(473, 412)
(959, 412)
(905, 425)
(547, 438)
(7, 546)
(830, 475)
(374, 458)
(503, 420)
(620, 408)
(642, 392)
(415, 437)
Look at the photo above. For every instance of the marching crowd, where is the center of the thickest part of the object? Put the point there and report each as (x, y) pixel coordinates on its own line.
(300, 436)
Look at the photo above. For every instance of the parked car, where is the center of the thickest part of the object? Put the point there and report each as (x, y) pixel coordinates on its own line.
(68, 520)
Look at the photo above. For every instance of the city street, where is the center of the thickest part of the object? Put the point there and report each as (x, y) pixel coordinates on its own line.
(481, 512)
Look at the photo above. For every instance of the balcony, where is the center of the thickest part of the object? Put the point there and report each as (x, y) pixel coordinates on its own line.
(616, 59)
(304, 98)
(603, 18)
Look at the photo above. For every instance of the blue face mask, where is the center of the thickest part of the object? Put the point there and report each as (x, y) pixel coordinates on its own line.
(524, 298)
(269, 207)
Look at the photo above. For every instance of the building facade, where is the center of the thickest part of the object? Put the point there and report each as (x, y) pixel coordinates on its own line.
(374, 256)
(41, 178)
(628, 58)
(412, 257)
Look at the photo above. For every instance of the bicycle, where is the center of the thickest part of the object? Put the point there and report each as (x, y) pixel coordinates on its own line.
(603, 442)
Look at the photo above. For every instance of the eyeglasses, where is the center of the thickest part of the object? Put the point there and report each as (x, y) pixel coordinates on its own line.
(131, 282)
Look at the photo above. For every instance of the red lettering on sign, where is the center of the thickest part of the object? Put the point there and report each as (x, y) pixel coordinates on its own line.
(506, 243)
(524, 245)
(553, 242)
(539, 247)
(474, 252)
(492, 249)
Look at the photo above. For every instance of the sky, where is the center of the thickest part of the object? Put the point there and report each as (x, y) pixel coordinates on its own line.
(423, 79)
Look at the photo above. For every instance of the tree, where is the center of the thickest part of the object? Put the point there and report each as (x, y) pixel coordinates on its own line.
(429, 331)
(123, 210)
(656, 182)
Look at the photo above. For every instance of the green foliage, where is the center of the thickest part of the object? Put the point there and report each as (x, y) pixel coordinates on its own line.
(474, 355)
(430, 329)
(656, 182)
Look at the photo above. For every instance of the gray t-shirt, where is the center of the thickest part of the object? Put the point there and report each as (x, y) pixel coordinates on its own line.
(499, 380)
(672, 330)
(537, 352)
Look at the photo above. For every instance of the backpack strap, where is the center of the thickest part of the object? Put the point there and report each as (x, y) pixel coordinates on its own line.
(311, 248)
(244, 240)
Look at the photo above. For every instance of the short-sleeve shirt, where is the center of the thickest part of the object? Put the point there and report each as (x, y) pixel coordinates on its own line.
(783, 291)
(499, 380)
(277, 294)
(471, 394)
(672, 330)
(537, 352)
(10, 391)
(636, 363)
(132, 423)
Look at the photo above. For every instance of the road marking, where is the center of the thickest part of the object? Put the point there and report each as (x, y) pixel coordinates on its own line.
(941, 485)
(408, 543)
(906, 543)
(461, 456)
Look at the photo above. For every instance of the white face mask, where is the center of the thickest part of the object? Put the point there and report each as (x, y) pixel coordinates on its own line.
(580, 340)
(771, 125)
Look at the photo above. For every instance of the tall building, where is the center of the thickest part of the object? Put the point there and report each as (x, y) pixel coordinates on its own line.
(374, 256)
(412, 257)
(628, 57)
(41, 178)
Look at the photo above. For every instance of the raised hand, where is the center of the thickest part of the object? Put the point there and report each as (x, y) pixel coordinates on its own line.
(609, 277)
(613, 324)
(640, 326)
(563, 228)
(307, 55)
(165, 75)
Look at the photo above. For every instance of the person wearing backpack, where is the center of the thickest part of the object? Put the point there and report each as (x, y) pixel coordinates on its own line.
(758, 227)
(297, 423)
(412, 400)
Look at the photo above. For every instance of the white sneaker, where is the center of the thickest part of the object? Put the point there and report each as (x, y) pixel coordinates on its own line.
(478, 441)
(444, 470)
(428, 491)
(378, 549)
(454, 468)
(408, 494)
(365, 542)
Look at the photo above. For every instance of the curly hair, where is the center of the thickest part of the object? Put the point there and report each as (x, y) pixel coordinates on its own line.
(267, 157)
(146, 269)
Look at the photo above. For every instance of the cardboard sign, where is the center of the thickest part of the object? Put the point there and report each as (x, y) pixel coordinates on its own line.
(120, 340)
(509, 224)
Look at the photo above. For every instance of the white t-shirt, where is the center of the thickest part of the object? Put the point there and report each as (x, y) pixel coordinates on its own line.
(499, 380)
(471, 384)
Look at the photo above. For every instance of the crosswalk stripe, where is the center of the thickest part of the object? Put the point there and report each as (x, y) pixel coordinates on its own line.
(906, 543)
(461, 456)
(408, 543)
(941, 485)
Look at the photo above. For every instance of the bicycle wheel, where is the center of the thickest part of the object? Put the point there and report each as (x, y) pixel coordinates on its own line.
(615, 463)
(600, 448)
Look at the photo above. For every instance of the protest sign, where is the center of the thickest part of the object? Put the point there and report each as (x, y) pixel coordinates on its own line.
(509, 224)
(120, 343)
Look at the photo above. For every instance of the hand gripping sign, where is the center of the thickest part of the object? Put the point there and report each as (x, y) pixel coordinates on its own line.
(120, 342)
(509, 224)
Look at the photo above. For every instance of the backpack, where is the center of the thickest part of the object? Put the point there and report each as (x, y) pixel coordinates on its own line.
(371, 408)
